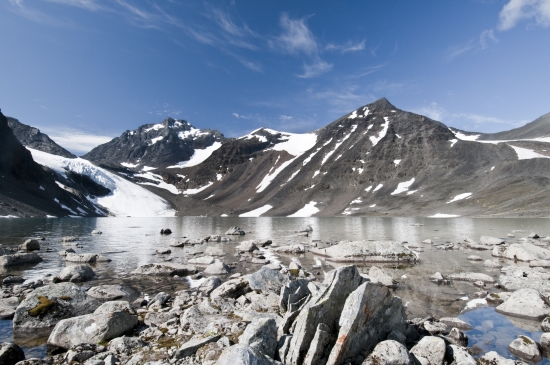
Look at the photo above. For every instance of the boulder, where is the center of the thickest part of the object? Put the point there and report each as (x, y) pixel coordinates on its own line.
(19, 259)
(370, 313)
(521, 252)
(526, 349)
(177, 244)
(525, 303)
(319, 350)
(437, 277)
(471, 276)
(8, 307)
(545, 325)
(290, 249)
(366, 251)
(166, 231)
(125, 344)
(163, 251)
(76, 273)
(493, 358)
(492, 264)
(95, 231)
(10, 280)
(490, 241)
(217, 268)
(68, 239)
(44, 307)
(30, 245)
(460, 356)
(86, 257)
(92, 328)
(243, 355)
(267, 280)
(158, 318)
(456, 322)
(190, 347)
(202, 261)
(435, 328)
(457, 337)
(247, 246)
(474, 258)
(10, 353)
(233, 288)
(430, 350)
(325, 308)
(389, 353)
(292, 292)
(261, 335)
(115, 306)
(214, 251)
(236, 231)
(165, 269)
(376, 275)
(545, 343)
(209, 285)
(533, 235)
(108, 292)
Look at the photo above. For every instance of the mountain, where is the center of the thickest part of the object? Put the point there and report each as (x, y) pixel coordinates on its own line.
(33, 138)
(29, 189)
(539, 128)
(170, 142)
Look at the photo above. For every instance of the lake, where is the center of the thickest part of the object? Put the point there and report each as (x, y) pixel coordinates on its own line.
(131, 242)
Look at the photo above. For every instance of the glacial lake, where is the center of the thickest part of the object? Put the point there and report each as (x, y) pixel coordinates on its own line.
(130, 242)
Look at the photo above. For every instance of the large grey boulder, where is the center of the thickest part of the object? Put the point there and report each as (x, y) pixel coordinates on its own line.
(521, 252)
(292, 292)
(217, 268)
(76, 273)
(455, 322)
(526, 349)
(30, 245)
(367, 251)
(209, 285)
(261, 335)
(19, 259)
(44, 307)
(233, 288)
(389, 352)
(430, 350)
(247, 246)
(8, 307)
(244, 355)
(10, 353)
(236, 231)
(115, 306)
(460, 356)
(202, 261)
(292, 249)
(490, 241)
(545, 343)
(525, 303)
(267, 280)
(325, 308)
(493, 358)
(91, 328)
(165, 269)
(370, 313)
(86, 257)
(108, 292)
(471, 276)
(377, 275)
(319, 350)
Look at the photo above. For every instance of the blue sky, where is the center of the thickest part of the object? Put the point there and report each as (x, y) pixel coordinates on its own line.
(84, 71)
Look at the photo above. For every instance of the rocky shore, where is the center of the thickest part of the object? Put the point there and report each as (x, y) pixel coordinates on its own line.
(277, 314)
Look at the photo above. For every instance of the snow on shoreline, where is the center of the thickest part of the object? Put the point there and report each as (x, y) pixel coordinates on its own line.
(125, 199)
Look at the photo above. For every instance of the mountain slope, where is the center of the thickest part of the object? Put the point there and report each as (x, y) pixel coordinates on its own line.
(538, 128)
(32, 137)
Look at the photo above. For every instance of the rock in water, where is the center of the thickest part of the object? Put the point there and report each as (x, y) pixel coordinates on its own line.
(460, 355)
(19, 259)
(217, 268)
(490, 241)
(44, 307)
(368, 251)
(493, 357)
(525, 303)
(525, 348)
(237, 231)
(76, 273)
(389, 352)
(10, 354)
(323, 309)
(30, 245)
(370, 313)
(521, 252)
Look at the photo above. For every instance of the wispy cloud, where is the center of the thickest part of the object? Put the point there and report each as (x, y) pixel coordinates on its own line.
(367, 71)
(516, 11)
(77, 141)
(318, 67)
(346, 47)
(456, 51)
(486, 37)
(92, 5)
(36, 16)
(296, 37)
(240, 36)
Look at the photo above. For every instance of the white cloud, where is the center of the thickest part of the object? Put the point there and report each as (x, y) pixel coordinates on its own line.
(318, 67)
(84, 4)
(240, 116)
(285, 117)
(517, 10)
(485, 37)
(433, 111)
(347, 47)
(296, 37)
(76, 141)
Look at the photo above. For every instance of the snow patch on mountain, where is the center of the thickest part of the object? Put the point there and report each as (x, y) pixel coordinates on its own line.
(402, 187)
(156, 127)
(527, 154)
(257, 212)
(272, 175)
(378, 187)
(295, 144)
(129, 165)
(125, 199)
(198, 157)
(464, 137)
(155, 140)
(443, 215)
(307, 211)
(193, 132)
(382, 133)
(460, 197)
(197, 190)
(158, 182)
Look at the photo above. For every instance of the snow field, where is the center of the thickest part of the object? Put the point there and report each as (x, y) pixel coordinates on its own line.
(257, 212)
(198, 157)
(307, 211)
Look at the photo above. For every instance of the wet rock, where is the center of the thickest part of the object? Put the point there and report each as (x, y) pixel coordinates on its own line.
(243, 355)
(493, 358)
(290, 249)
(366, 251)
(533, 235)
(437, 277)
(459, 356)
(30, 245)
(166, 231)
(7, 307)
(108, 292)
(492, 264)
(429, 350)
(10, 353)
(376, 275)
(267, 280)
(521, 252)
(209, 285)
(323, 309)
(456, 322)
(68, 239)
(95, 231)
(165, 269)
(457, 337)
(389, 353)
(525, 303)
(19, 259)
(235, 231)
(86, 258)
(261, 335)
(177, 244)
(163, 251)
(76, 273)
(200, 261)
(471, 276)
(247, 246)
(474, 258)
(66, 252)
(10, 280)
(217, 268)
(44, 307)
(490, 241)
(190, 347)
(497, 298)
(526, 349)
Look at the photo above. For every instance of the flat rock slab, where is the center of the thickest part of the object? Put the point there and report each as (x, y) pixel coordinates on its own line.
(267, 280)
(190, 347)
(108, 292)
(525, 303)
(204, 260)
(471, 276)
(366, 251)
(491, 241)
(292, 249)
(165, 269)
(521, 252)
(86, 257)
(19, 259)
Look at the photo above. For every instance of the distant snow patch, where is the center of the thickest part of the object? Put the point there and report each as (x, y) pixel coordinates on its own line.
(368, 189)
(315, 173)
(382, 133)
(197, 190)
(219, 177)
(397, 135)
(396, 161)
(211, 196)
(443, 215)
(12, 216)
(527, 154)
(159, 182)
(378, 187)
(492, 168)
(129, 165)
(453, 141)
(148, 168)
(156, 127)
(270, 176)
(198, 157)
(464, 137)
(353, 115)
(402, 187)
(295, 144)
(460, 197)
(338, 144)
(307, 211)
(193, 132)
(257, 212)
(155, 140)
(356, 201)
(411, 192)
(372, 206)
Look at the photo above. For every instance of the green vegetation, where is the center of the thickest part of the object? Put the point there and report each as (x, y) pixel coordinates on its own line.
(43, 307)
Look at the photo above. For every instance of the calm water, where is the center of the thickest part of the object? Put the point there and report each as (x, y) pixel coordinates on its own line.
(131, 242)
